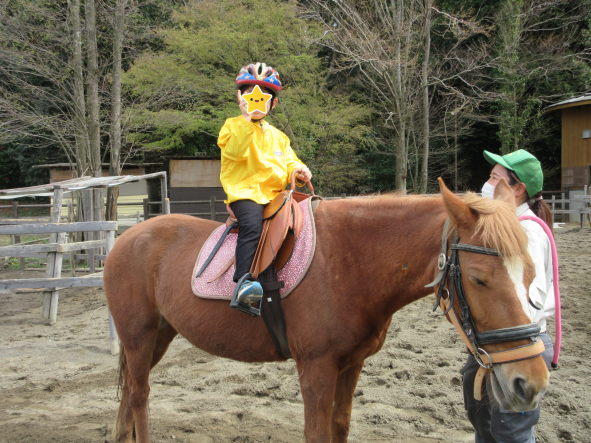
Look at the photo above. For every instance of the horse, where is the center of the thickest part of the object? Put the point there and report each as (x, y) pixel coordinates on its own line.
(373, 256)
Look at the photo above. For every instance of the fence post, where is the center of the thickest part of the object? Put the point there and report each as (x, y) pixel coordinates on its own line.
(91, 236)
(137, 217)
(212, 205)
(163, 192)
(50, 298)
(110, 237)
(563, 206)
(71, 239)
(146, 209)
(166, 207)
(14, 209)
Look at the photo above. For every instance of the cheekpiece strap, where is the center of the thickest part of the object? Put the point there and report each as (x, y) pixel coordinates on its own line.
(442, 257)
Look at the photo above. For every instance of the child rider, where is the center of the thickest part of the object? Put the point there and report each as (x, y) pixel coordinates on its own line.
(257, 162)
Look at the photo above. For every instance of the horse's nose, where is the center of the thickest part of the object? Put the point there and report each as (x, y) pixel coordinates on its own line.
(525, 392)
(520, 389)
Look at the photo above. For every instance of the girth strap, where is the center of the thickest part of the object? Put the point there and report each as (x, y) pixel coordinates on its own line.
(272, 311)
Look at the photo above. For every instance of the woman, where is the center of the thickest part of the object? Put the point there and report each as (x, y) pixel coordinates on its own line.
(523, 173)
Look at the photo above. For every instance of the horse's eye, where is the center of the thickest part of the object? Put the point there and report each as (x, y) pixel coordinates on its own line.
(477, 281)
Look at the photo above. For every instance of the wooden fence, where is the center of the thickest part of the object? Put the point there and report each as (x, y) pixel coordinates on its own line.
(54, 252)
(559, 206)
(564, 204)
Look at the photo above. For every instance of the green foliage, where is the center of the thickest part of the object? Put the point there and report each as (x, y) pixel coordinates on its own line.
(191, 82)
(17, 161)
(534, 69)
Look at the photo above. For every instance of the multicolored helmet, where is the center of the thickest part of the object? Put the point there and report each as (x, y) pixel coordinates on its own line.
(259, 74)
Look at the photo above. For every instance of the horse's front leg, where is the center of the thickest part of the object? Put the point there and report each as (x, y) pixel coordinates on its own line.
(318, 379)
(343, 402)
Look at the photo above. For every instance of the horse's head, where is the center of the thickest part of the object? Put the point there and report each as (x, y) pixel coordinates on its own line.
(496, 288)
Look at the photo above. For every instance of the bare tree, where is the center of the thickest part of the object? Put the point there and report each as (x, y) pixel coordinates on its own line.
(39, 100)
(427, 13)
(389, 44)
(380, 40)
(92, 79)
(82, 148)
(115, 139)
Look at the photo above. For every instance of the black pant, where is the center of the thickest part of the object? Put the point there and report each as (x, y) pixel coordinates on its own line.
(491, 423)
(250, 219)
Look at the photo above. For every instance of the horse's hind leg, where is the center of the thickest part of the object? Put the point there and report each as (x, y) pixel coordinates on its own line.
(343, 402)
(123, 431)
(132, 424)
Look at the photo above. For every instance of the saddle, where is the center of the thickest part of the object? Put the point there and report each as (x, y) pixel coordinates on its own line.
(282, 224)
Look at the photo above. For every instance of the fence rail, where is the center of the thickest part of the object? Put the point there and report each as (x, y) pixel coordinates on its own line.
(54, 251)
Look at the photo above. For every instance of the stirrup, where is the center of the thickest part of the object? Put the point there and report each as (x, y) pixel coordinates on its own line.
(244, 307)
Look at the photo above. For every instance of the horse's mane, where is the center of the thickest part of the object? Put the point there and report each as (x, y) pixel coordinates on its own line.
(498, 226)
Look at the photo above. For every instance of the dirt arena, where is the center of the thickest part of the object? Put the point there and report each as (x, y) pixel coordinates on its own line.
(58, 383)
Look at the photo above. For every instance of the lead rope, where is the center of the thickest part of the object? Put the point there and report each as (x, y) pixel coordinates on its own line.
(558, 311)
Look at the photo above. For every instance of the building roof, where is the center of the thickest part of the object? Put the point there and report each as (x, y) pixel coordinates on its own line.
(67, 165)
(75, 184)
(571, 102)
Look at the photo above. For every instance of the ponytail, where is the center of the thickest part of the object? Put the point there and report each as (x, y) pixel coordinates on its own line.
(542, 210)
(536, 203)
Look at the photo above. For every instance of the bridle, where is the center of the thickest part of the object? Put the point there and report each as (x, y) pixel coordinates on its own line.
(449, 269)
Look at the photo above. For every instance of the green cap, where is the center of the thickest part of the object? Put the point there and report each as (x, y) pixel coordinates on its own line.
(525, 165)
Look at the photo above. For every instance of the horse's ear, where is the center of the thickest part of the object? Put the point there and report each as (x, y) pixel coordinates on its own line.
(504, 192)
(458, 211)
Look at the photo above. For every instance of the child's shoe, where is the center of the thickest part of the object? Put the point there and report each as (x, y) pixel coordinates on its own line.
(250, 292)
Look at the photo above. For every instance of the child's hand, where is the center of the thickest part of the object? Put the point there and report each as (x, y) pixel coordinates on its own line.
(243, 107)
(303, 174)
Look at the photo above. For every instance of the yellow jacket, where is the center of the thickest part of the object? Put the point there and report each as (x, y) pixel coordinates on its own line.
(257, 160)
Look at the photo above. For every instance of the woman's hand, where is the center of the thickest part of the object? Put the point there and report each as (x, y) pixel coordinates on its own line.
(303, 174)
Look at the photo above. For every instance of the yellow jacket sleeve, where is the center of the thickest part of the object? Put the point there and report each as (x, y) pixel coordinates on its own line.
(235, 139)
(293, 162)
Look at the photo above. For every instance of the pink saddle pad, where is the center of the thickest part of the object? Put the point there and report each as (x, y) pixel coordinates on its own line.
(292, 273)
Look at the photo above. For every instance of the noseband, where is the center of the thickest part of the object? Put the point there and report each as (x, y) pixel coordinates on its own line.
(449, 266)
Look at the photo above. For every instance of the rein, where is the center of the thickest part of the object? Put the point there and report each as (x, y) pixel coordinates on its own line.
(449, 269)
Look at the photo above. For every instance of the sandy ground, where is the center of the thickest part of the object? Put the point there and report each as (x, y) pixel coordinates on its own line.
(58, 383)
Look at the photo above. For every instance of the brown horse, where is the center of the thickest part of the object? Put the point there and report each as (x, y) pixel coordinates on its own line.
(373, 256)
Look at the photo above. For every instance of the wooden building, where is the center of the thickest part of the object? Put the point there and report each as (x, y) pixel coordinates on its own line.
(196, 179)
(576, 140)
(576, 145)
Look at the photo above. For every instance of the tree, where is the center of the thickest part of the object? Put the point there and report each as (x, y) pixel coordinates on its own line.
(193, 77)
(535, 65)
(49, 51)
(388, 44)
(115, 136)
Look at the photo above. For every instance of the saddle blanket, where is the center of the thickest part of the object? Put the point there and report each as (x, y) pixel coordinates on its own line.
(292, 273)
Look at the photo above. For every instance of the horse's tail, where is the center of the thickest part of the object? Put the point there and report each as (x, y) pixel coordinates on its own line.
(122, 365)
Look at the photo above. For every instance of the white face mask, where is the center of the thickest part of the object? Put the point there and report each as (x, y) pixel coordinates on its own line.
(488, 191)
